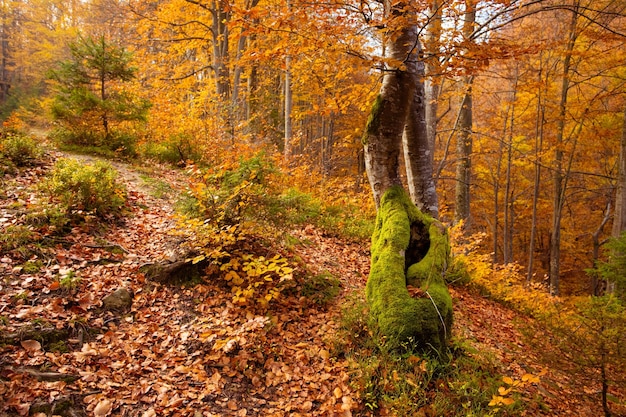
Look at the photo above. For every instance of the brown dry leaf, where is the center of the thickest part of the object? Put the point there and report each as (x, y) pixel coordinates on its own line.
(306, 406)
(232, 405)
(31, 345)
(103, 408)
(338, 393)
(149, 413)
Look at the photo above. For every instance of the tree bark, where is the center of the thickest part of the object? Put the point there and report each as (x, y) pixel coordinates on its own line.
(619, 220)
(432, 82)
(402, 251)
(539, 124)
(5, 81)
(418, 154)
(288, 145)
(508, 194)
(464, 143)
(382, 138)
(559, 189)
(464, 155)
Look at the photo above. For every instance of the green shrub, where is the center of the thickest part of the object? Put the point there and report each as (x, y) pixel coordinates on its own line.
(118, 143)
(19, 148)
(230, 196)
(177, 149)
(91, 188)
(294, 207)
(121, 143)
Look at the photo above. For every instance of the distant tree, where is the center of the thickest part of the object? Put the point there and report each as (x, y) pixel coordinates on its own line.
(89, 93)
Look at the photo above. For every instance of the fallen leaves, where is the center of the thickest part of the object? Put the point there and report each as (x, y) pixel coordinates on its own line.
(179, 350)
(31, 346)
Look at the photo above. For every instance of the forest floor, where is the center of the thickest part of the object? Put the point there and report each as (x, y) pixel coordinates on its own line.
(188, 350)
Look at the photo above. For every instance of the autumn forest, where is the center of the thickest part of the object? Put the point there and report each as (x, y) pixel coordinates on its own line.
(281, 207)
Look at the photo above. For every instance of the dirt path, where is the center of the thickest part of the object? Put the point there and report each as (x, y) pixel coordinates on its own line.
(178, 351)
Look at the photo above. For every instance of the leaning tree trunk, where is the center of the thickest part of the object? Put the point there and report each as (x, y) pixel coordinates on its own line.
(383, 134)
(408, 247)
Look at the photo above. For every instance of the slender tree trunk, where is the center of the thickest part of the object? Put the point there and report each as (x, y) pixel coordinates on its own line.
(5, 82)
(103, 95)
(432, 84)
(619, 220)
(496, 194)
(221, 51)
(288, 145)
(464, 144)
(417, 154)
(241, 45)
(464, 155)
(559, 189)
(539, 124)
(508, 197)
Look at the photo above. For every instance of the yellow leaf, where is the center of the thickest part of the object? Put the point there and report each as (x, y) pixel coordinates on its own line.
(197, 259)
(507, 380)
(530, 378)
(508, 401)
(231, 275)
(495, 400)
(504, 391)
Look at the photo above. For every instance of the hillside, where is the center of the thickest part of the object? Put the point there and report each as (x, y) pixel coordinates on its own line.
(67, 349)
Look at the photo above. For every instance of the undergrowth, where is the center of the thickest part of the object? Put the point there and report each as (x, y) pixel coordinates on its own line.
(85, 188)
(17, 149)
(581, 336)
(459, 381)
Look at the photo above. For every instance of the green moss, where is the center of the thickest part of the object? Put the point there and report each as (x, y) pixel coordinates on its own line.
(424, 322)
(373, 120)
(321, 288)
(434, 264)
(59, 347)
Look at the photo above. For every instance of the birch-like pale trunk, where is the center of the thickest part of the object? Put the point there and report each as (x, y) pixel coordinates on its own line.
(288, 140)
(464, 157)
(432, 80)
(417, 153)
(464, 142)
(619, 219)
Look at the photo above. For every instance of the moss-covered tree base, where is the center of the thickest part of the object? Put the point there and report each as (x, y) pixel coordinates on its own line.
(409, 248)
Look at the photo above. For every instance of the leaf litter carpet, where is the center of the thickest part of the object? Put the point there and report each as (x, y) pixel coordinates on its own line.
(188, 351)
